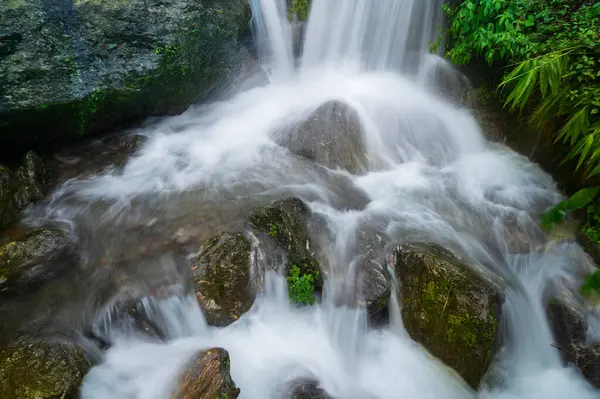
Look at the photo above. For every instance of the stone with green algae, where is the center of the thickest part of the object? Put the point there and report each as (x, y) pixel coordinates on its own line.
(447, 308)
(287, 223)
(40, 369)
(69, 68)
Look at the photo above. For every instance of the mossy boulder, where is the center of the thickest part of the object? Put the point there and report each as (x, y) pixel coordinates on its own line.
(31, 259)
(331, 136)
(207, 377)
(448, 308)
(74, 67)
(570, 333)
(22, 187)
(38, 369)
(287, 223)
(220, 275)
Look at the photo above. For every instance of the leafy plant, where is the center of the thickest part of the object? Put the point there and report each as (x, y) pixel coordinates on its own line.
(591, 285)
(592, 225)
(577, 201)
(273, 230)
(301, 287)
(552, 49)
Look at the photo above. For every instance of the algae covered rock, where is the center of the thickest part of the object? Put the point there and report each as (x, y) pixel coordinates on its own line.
(330, 136)
(36, 369)
(570, 333)
(221, 278)
(32, 258)
(287, 223)
(448, 309)
(207, 377)
(21, 188)
(68, 68)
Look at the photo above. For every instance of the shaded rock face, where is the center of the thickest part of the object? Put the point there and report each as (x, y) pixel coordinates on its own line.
(570, 333)
(34, 369)
(68, 68)
(221, 278)
(373, 275)
(331, 136)
(33, 258)
(448, 309)
(21, 188)
(287, 223)
(308, 391)
(207, 377)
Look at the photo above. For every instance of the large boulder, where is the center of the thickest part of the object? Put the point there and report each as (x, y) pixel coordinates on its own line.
(447, 308)
(71, 67)
(207, 377)
(287, 223)
(330, 136)
(220, 275)
(32, 258)
(21, 188)
(570, 333)
(37, 369)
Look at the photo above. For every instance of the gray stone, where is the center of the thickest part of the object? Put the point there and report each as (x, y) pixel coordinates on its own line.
(72, 67)
(330, 136)
(220, 275)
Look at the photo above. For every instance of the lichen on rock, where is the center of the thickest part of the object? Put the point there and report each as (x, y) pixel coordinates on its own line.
(220, 276)
(448, 308)
(32, 258)
(207, 376)
(68, 68)
(41, 369)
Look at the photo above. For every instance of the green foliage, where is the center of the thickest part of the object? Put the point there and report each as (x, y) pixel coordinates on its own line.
(298, 8)
(591, 285)
(301, 287)
(273, 230)
(592, 225)
(577, 201)
(553, 48)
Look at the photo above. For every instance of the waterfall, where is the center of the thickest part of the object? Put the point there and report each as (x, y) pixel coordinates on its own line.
(429, 173)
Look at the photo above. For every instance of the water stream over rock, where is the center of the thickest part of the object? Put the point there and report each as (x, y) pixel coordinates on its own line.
(425, 173)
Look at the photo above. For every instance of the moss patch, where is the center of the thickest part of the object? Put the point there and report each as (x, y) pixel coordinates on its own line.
(448, 309)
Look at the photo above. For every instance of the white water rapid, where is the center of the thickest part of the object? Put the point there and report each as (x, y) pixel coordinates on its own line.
(431, 175)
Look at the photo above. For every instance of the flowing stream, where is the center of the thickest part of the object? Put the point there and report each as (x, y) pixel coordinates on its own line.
(431, 175)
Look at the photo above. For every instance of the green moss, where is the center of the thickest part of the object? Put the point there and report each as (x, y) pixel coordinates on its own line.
(301, 286)
(298, 8)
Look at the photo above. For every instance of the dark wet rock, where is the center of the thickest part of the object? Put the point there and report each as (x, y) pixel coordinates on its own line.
(447, 308)
(22, 187)
(69, 68)
(36, 369)
(373, 274)
(591, 247)
(330, 136)
(220, 275)
(207, 377)
(287, 223)
(570, 334)
(32, 258)
(308, 391)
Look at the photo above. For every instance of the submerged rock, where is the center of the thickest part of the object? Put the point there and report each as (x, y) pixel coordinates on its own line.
(21, 188)
(308, 391)
(448, 309)
(287, 223)
(207, 377)
(32, 258)
(373, 275)
(221, 278)
(68, 68)
(36, 369)
(331, 136)
(570, 333)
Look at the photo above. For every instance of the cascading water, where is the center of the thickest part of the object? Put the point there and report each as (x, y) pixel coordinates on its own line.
(430, 175)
